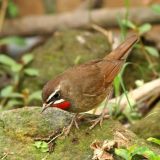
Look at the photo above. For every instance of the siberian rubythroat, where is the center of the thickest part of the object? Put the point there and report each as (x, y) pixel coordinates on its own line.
(83, 87)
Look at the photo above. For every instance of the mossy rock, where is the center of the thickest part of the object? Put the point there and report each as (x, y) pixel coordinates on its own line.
(149, 126)
(63, 50)
(20, 127)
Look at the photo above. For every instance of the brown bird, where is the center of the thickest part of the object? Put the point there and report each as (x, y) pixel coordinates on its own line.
(83, 87)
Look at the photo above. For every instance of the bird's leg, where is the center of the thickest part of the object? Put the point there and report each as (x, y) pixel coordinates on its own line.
(103, 114)
(73, 122)
(99, 119)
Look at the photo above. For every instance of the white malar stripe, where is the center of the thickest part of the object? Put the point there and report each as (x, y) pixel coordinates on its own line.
(45, 105)
(52, 94)
(59, 101)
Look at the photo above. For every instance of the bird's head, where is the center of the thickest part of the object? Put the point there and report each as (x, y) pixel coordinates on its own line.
(53, 95)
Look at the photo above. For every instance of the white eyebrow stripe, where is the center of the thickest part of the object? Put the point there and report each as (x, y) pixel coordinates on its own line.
(52, 94)
(59, 101)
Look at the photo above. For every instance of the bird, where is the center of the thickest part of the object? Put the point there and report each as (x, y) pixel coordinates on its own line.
(83, 87)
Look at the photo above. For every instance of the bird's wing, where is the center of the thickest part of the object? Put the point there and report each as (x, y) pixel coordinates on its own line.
(88, 78)
(110, 68)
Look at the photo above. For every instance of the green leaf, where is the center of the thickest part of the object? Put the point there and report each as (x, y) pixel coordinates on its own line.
(146, 152)
(116, 84)
(37, 144)
(156, 8)
(152, 51)
(122, 83)
(13, 102)
(44, 150)
(16, 95)
(144, 28)
(12, 9)
(129, 24)
(154, 140)
(132, 148)
(42, 146)
(35, 96)
(5, 92)
(6, 60)
(129, 153)
(123, 153)
(31, 72)
(77, 59)
(16, 67)
(27, 58)
(13, 40)
(138, 150)
(124, 68)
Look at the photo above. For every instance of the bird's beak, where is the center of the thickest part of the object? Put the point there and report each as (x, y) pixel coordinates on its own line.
(45, 106)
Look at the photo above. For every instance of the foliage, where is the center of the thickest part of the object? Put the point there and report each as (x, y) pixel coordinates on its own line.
(12, 40)
(152, 51)
(41, 146)
(154, 140)
(131, 152)
(126, 24)
(130, 112)
(142, 29)
(11, 95)
(12, 9)
(156, 8)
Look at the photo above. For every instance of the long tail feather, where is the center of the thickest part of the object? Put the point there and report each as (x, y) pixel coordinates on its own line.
(122, 51)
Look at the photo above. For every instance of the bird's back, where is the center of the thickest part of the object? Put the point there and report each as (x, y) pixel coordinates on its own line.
(90, 82)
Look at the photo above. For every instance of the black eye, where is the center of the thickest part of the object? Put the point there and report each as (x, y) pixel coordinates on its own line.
(57, 95)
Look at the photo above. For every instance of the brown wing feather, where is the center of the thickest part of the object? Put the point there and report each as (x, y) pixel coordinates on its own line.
(113, 62)
(122, 51)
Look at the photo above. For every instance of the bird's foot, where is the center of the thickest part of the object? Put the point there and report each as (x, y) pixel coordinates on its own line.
(98, 120)
(73, 122)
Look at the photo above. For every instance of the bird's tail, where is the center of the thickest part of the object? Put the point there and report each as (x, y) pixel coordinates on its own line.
(122, 51)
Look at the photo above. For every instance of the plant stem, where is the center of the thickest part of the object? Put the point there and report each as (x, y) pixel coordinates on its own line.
(124, 28)
(3, 12)
(147, 57)
(124, 89)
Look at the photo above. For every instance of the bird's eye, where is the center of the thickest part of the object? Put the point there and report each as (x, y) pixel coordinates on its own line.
(57, 95)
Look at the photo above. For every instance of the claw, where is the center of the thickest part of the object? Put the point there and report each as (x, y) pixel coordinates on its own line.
(98, 120)
(103, 114)
(73, 122)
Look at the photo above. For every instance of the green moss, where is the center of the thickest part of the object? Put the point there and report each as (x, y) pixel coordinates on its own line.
(18, 137)
(149, 126)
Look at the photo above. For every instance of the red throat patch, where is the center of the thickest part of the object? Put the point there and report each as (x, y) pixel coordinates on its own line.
(63, 105)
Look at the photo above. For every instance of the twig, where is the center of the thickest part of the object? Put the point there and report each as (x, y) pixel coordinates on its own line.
(58, 135)
(4, 156)
(105, 32)
(147, 90)
(46, 24)
(3, 12)
(45, 157)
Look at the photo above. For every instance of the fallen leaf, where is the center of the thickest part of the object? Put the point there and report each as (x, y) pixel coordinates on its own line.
(101, 150)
